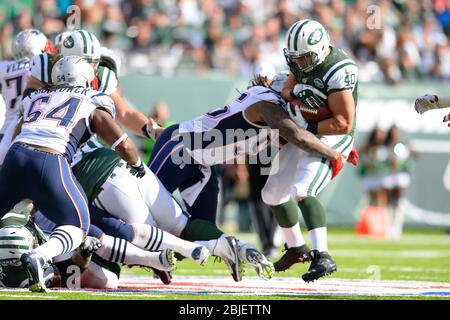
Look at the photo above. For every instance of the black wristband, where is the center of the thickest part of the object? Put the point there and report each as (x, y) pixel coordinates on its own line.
(144, 131)
(293, 96)
(312, 127)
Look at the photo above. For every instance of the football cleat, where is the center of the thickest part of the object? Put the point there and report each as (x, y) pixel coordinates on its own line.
(34, 266)
(200, 255)
(322, 265)
(292, 256)
(263, 267)
(227, 248)
(164, 276)
(167, 260)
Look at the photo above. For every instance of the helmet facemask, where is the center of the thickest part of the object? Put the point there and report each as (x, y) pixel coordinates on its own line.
(310, 59)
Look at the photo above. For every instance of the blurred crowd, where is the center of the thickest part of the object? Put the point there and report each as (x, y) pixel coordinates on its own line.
(392, 40)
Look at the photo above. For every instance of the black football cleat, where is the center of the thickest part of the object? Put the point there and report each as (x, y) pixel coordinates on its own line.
(321, 265)
(164, 276)
(292, 256)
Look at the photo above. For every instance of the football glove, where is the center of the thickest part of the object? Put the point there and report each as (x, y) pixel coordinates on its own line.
(137, 169)
(353, 157)
(426, 102)
(151, 129)
(89, 246)
(447, 119)
(311, 96)
(337, 165)
(297, 117)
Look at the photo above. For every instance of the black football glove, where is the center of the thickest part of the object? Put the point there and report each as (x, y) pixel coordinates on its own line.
(137, 170)
(89, 246)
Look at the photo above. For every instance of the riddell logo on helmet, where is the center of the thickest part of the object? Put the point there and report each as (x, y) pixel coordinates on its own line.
(68, 42)
(315, 37)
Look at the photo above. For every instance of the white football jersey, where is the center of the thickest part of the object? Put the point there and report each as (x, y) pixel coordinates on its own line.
(59, 118)
(224, 134)
(13, 80)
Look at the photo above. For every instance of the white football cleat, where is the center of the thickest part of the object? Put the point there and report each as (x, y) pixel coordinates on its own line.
(263, 267)
(227, 248)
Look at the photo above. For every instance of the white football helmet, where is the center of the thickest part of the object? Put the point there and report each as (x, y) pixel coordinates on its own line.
(72, 70)
(29, 43)
(15, 240)
(306, 39)
(59, 39)
(279, 80)
(84, 44)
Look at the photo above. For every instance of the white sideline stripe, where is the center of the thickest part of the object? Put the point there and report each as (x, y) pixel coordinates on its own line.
(432, 146)
(27, 296)
(391, 253)
(427, 216)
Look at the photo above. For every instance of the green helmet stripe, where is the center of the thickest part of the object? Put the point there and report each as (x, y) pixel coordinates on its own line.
(92, 42)
(84, 42)
(297, 34)
(12, 246)
(290, 33)
(13, 238)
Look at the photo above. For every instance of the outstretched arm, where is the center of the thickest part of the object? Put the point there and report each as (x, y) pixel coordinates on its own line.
(104, 125)
(278, 118)
(134, 120)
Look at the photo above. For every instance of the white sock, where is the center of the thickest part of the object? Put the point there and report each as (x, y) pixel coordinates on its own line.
(319, 239)
(209, 244)
(154, 239)
(293, 236)
(121, 251)
(62, 240)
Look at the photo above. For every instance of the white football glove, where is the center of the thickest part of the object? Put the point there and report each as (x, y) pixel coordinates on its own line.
(426, 102)
(299, 90)
(297, 117)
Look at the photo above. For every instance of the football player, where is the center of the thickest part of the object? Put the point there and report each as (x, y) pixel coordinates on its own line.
(96, 166)
(14, 76)
(320, 74)
(56, 122)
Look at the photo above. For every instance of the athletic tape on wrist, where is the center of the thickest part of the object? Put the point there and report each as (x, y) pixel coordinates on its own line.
(118, 141)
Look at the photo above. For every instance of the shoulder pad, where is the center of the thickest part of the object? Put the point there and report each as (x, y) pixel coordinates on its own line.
(102, 101)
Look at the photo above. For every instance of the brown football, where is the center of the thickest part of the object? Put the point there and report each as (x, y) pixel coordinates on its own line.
(312, 114)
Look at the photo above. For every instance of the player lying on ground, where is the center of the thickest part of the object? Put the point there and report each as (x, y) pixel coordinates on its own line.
(57, 121)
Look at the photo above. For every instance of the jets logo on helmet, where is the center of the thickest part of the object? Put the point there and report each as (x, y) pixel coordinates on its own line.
(68, 42)
(84, 44)
(315, 36)
(307, 42)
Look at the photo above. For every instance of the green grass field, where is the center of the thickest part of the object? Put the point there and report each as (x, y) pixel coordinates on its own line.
(421, 255)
